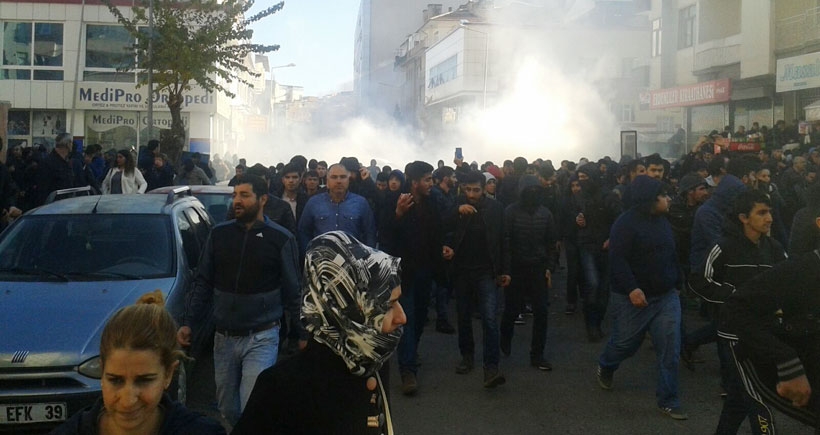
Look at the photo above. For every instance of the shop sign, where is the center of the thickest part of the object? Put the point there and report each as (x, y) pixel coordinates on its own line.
(124, 96)
(799, 72)
(715, 91)
(103, 121)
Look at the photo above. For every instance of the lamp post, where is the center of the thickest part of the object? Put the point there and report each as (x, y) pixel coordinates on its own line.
(150, 69)
(464, 24)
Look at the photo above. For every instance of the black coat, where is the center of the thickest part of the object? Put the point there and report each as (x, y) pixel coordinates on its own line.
(177, 420)
(532, 235)
(54, 173)
(312, 393)
(418, 236)
(492, 212)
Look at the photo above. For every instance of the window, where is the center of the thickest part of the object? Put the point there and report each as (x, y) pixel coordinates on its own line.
(656, 37)
(627, 113)
(27, 128)
(686, 27)
(107, 50)
(189, 241)
(443, 72)
(32, 50)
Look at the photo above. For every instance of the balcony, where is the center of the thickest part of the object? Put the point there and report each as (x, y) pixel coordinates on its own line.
(795, 32)
(717, 53)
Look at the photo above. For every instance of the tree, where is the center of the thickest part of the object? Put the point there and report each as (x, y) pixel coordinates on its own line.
(202, 42)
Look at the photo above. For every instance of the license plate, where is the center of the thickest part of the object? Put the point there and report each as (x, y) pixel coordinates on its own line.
(32, 413)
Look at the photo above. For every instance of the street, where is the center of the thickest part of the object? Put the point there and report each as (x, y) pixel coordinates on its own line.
(567, 400)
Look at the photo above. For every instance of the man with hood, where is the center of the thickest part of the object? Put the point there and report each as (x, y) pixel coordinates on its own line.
(530, 229)
(708, 224)
(645, 282)
(597, 211)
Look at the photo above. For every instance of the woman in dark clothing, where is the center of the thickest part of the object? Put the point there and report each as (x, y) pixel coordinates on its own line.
(350, 306)
(138, 355)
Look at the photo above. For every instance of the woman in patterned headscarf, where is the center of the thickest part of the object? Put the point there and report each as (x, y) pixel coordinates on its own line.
(350, 308)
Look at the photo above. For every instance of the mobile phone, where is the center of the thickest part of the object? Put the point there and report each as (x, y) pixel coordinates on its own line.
(459, 154)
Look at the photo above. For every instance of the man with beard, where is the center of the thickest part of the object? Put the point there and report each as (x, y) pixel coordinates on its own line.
(481, 264)
(247, 275)
(411, 227)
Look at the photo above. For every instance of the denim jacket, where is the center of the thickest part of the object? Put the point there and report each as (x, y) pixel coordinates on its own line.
(353, 215)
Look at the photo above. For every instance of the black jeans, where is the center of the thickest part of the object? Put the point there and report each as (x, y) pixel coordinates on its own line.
(573, 271)
(529, 282)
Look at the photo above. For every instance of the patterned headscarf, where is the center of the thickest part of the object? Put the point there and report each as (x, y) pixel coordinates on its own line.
(345, 298)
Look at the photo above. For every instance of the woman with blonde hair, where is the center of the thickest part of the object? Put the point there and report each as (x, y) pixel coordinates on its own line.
(124, 178)
(138, 355)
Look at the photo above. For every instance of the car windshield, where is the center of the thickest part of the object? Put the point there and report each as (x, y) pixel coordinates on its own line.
(87, 247)
(217, 204)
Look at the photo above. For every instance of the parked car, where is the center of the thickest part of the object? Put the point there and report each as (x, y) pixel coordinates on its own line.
(216, 199)
(65, 268)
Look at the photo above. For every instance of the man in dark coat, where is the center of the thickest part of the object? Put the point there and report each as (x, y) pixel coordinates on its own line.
(54, 172)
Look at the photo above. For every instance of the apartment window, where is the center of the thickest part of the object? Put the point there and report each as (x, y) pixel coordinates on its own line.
(656, 37)
(31, 51)
(109, 54)
(443, 72)
(627, 113)
(686, 27)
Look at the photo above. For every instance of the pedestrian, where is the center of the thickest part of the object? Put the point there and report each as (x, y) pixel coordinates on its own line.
(161, 174)
(530, 229)
(124, 178)
(53, 172)
(644, 296)
(352, 313)
(247, 276)
(337, 209)
(481, 265)
(771, 324)
(83, 172)
(412, 230)
(191, 175)
(138, 357)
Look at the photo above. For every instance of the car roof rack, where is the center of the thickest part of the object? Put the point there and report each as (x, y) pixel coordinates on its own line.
(178, 191)
(71, 193)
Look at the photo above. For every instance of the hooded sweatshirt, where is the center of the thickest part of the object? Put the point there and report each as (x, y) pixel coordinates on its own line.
(708, 226)
(642, 246)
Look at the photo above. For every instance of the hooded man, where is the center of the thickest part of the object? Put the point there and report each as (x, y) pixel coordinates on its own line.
(644, 296)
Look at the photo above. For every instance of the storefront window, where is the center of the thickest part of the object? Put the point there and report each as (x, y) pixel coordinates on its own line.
(35, 128)
(704, 119)
(116, 130)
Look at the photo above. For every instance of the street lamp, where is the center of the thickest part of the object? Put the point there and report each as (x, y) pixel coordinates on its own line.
(464, 24)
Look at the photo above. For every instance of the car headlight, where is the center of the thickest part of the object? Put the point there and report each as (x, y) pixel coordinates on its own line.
(91, 368)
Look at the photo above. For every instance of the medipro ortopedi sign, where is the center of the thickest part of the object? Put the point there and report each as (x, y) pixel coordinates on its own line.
(799, 72)
(103, 96)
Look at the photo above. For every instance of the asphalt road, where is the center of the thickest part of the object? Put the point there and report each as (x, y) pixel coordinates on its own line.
(567, 400)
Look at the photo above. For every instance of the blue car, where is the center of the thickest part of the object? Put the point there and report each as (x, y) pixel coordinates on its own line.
(65, 268)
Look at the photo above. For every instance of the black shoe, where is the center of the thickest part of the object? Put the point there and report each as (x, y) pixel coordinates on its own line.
(506, 346)
(604, 378)
(409, 384)
(493, 378)
(443, 326)
(570, 309)
(541, 364)
(465, 366)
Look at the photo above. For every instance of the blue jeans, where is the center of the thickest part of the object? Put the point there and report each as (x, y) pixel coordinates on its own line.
(629, 326)
(595, 283)
(237, 363)
(482, 284)
(415, 299)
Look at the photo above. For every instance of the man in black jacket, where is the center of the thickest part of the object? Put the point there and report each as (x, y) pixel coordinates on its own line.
(744, 252)
(411, 229)
(530, 229)
(54, 172)
(247, 276)
(772, 325)
(481, 260)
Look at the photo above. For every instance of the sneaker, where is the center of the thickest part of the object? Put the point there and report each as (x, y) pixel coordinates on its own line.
(519, 320)
(465, 366)
(493, 378)
(444, 327)
(570, 309)
(506, 346)
(409, 385)
(541, 364)
(675, 413)
(604, 378)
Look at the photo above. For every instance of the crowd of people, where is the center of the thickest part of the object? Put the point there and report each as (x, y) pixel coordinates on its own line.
(639, 236)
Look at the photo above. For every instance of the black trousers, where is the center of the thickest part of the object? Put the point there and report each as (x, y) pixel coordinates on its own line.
(529, 282)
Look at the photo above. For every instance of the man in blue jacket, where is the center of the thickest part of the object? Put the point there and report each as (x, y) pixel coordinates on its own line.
(644, 281)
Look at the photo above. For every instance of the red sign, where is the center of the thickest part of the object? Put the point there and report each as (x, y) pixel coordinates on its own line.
(715, 91)
(744, 146)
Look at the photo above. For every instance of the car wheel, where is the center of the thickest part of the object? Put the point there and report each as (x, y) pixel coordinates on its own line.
(179, 385)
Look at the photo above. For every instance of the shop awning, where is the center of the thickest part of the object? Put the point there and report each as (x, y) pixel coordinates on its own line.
(813, 111)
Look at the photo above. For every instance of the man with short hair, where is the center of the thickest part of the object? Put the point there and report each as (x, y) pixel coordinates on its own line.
(381, 181)
(54, 172)
(481, 264)
(321, 171)
(644, 296)
(412, 230)
(240, 170)
(247, 276)
(291, 192)
(312, 183)
(655, 167)
(337, 209)
(744, 252)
